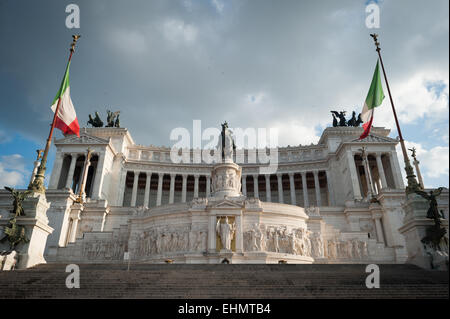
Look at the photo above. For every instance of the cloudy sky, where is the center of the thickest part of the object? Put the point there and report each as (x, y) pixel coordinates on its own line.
(254, 63)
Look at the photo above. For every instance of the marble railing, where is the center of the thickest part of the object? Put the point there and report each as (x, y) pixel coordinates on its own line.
(285, 155)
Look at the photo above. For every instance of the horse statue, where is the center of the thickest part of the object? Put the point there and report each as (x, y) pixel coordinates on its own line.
(112, 119)
(95, 122)
(341, 116)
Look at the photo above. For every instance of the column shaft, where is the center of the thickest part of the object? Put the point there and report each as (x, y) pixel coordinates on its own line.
(208, 185)
(159, 194)
(172, 188)
(56, 171)
(305, 189)
(331, 201)
(280, 188)
(122, 186)
(268, 195)
(379, 229)
(69, 181)
(292, 188)
(317, 188)
(196, 177)
(135, 186)
(381, 171)
(244, 185)
(184, 187)
(255, 186)
(148, 178)
(353, 175)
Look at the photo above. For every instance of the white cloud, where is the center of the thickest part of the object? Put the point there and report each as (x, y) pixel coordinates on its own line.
(129, 41)
(12, 170)
(255, 98)
(295, 132)
(218, 5)
(416, 98)
(177, 32)
(433, 162)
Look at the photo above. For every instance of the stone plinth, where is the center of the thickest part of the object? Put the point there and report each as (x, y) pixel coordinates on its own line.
(414, 230)
(37, 229)
(226, 180)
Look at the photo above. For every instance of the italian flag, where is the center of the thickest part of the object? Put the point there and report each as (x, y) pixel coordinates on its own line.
(374, 98)
(66, 120)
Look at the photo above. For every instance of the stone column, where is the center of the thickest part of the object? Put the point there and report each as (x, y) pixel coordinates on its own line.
(183, 191)
(353, 175)
(196, 177)
(368, 183)
(208, 185)
(84, 175)
(244, 185)
(122, 185)
(381, 170)
(75, 218)
(212, 234)
(292, 188)
(71, 170)
(317, 188)
(238, 234)
(268, 195)
(396, 170)
(255, 186)
(379, 229)
(135, 186)
(305, 189)
(56, 171)
(148, 178)
(419, 175)
(172, 188)
(98, 177)
(280, 188)
(330, 189)
(159, 194)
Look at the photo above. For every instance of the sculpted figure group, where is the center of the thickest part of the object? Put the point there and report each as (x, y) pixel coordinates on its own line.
(302, 242)
(348, 249)
(166, 239)
(104, 250)
(226, 181)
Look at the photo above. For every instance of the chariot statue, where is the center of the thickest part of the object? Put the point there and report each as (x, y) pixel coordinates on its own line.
(96, 121)
(112, 119)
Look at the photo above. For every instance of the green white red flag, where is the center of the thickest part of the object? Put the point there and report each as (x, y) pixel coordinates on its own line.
(66, 120)
(374, 98)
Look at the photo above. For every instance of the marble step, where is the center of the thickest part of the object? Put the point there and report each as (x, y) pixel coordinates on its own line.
(223, 281)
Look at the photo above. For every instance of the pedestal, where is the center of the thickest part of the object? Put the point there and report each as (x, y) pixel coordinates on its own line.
(414, 230)
(37, 229)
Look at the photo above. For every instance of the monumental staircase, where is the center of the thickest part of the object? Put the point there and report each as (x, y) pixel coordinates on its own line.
(276, 281)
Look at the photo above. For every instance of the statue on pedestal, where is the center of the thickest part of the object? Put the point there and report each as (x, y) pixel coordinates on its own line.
(15, 234)
(435, 233)
(226, 232)
(227, 143)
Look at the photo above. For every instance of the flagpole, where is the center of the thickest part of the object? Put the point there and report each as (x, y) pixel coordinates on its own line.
(38, 183)
(412, 183)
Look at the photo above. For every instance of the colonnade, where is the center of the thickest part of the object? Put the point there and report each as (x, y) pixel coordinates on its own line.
(286, 185)
(68, 169)
(373, 171)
